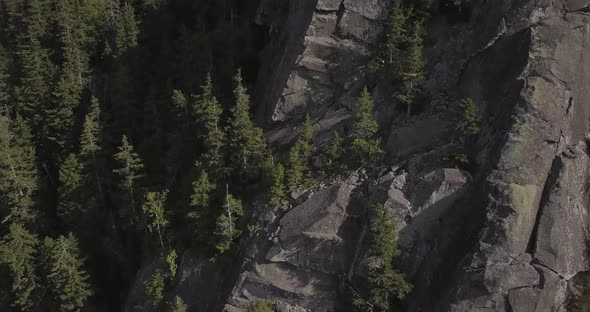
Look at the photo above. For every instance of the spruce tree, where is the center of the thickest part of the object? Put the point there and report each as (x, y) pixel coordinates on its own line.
(18, 175)
(412, 66)
(246, 141)
(299, 155)
(395, 32)
(178, 305)
(208, 115)
(385, 281)
(68, 282)
(365, 147)
(127, 30)
(90, 141)
(153, 208)
(277, 192)
(227, 230)
(200, 199)
(129, 170)
(335, 154)
(154, 287)
(70, 189)
(17, 252)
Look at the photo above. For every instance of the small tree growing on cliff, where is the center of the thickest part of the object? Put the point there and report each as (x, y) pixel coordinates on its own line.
(299, 157)
(365, 147)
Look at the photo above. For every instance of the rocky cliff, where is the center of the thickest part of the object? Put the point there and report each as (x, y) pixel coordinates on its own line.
(510, 234)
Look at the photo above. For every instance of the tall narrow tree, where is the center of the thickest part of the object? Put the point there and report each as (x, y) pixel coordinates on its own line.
(246, 141)
(127, 30)
(68, 282)
(154, 210)
(208, 115)
(70, 189)
(365, 146)
(129, 170)
(17, 252)
(18, 175)
(227, 230)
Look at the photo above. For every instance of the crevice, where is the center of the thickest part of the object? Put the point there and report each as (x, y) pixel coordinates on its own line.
(339, 14)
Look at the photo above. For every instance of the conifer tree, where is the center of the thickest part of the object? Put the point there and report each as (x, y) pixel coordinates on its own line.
(395, 31)
(335, 161)
(200, 199)
(17, 252)
(277, 188)
(127, 30)
(208, 114)
(154, 210)
(412, 66)
(90, 141)
(246, 141)
(178, 305)
(4, 86)
(70, 189)
(227, 230)
(18, 175)
(154, 287)
(299, 157)
(68, 282)
(129, 171)
(365, 147)
(385, 282)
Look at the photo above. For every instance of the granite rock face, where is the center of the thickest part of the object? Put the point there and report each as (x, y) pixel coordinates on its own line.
(509, 234)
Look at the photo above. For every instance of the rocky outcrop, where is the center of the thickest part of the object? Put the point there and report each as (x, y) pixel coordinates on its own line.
(310, 247)
(318, 63)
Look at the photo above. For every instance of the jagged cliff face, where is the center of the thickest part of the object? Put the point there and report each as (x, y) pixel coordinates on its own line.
(511, 235)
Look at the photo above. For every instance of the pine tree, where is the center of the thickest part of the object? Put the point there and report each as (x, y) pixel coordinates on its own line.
(178, 305)
(154, 287)
(4, 86)
(17, 251)
(412, 66)
(468, 122)
(395, 31)
(200, 200)
(208, 114)
(365, 147)
(127, 30)
(18, 175)
(385, 282)
(277, 190)
(154, 210)
(227, 230)
(246, 141)
(68, 282)
(129, 171)
(335, 153)
(70, 189)
(299, 157)
(90, 141)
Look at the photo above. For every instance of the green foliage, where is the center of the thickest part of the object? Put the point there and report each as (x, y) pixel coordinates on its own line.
(365, 147)
(70, 189)
(154, 287)
(459, 160)
(67, 280)
(127, 30)
(18, 175)
(299, 169)
(411, 67)
(395, 33)
(226, 230)
(335, 163)
(17, 252)
(178, 305)
(468, 123)
(90, 137)
(581, 300)
(277, 192)
(385, 282)
(208, 115)
(172, 266)
(129, 170)
(246, 141)
(261, 306)
(254, 228)
(200, 201)
(153, 208)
